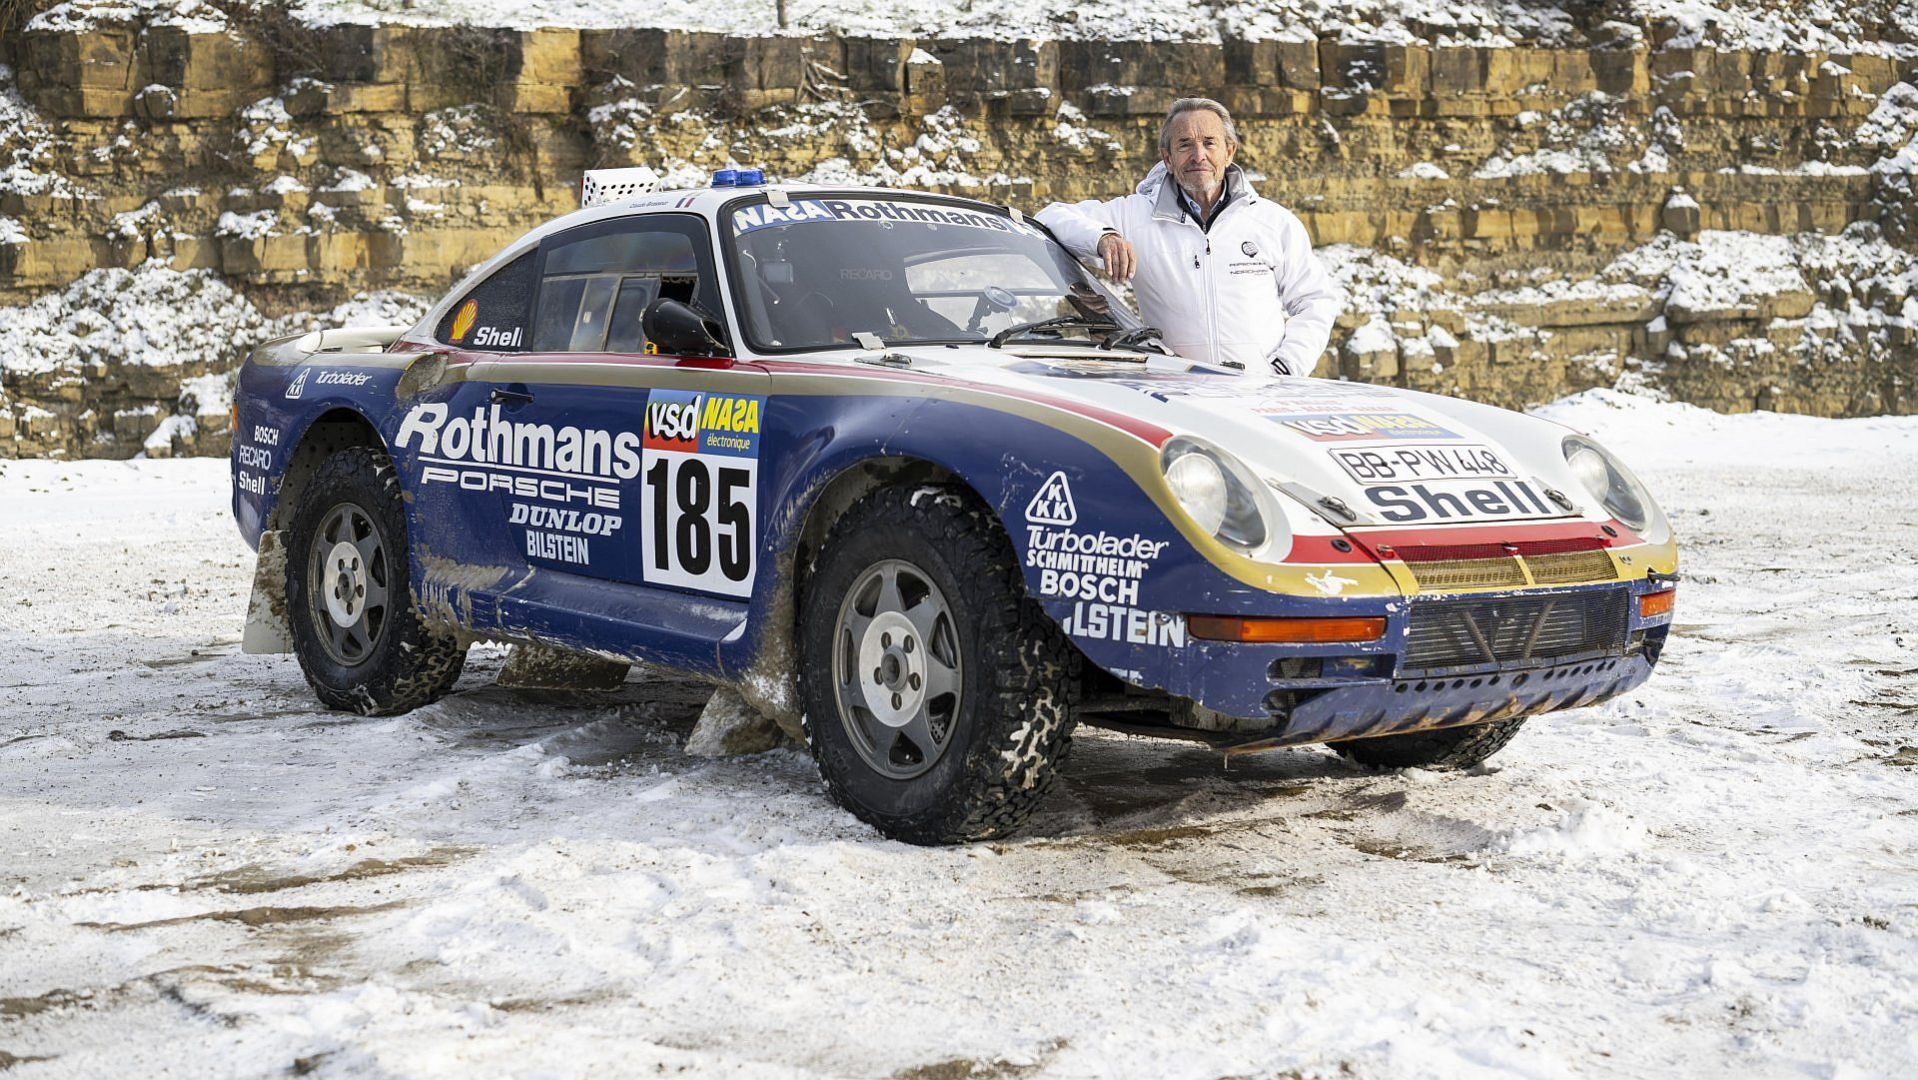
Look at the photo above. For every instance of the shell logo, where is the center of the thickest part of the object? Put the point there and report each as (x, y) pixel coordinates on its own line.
(464, 320)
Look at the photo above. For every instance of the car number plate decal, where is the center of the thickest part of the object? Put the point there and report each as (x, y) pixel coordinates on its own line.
(1396, 464)
(1441, 482)
(699, 509)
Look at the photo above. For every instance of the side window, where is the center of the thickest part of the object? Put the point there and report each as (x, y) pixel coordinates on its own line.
(596, 280)
(493, 316)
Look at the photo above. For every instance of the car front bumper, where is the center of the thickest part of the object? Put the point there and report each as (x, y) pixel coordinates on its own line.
(1444, 661)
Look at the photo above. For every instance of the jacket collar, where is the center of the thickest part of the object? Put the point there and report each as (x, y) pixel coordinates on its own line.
(1159, 186)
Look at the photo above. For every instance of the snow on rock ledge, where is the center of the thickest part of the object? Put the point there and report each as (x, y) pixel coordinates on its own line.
(142, 360)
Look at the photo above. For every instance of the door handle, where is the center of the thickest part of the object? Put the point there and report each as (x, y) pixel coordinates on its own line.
(503, 396)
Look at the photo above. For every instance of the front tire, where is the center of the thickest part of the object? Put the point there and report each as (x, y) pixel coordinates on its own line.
(361, 644)
(938, 696)
(1444, 750)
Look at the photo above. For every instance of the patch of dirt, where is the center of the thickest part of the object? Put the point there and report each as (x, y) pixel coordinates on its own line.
(251, 880)
(973, 1069)
(15, 1008)
(253, 916)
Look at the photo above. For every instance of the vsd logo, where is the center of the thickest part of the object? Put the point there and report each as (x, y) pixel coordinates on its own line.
(1053, 504)
(299, 385)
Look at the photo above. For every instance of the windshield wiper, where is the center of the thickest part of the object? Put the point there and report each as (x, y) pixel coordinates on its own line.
(1136, 338)
(999, 339)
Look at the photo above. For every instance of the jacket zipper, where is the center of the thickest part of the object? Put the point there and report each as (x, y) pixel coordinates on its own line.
(1205, 287)
(1211, 303)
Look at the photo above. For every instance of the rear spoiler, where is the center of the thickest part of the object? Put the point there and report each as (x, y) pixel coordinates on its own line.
(351, 339)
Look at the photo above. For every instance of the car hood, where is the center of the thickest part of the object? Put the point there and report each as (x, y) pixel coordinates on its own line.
(1389, 456)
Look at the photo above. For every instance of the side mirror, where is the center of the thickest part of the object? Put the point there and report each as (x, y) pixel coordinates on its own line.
(680, 329)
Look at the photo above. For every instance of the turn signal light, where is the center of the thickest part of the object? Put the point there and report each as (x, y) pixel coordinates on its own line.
(1653, 604)
(1304, 631)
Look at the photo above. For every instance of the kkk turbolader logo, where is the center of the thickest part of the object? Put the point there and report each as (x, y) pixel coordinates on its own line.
(1053, 504)
(298, 387)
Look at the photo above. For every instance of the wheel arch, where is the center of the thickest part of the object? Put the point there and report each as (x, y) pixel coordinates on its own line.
(332, 431)
(268, 629)
(769, 680)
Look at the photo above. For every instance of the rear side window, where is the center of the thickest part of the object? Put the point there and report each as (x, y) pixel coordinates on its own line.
(596, 280)
(492, 317)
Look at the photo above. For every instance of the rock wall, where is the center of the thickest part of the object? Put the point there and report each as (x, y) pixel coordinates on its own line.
(1514, 223)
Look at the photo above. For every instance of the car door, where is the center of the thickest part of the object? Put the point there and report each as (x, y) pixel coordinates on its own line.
(626, 467)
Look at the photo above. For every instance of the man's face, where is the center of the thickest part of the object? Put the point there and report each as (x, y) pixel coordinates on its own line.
(1199, 152)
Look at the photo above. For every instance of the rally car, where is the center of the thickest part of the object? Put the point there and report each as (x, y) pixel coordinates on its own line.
(902, 473)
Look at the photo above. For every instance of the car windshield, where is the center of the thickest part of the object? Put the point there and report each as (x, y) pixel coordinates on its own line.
(824, 272)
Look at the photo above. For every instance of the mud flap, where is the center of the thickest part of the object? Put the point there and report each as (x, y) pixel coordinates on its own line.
(729, 726)
(267, 628)
(536, 667)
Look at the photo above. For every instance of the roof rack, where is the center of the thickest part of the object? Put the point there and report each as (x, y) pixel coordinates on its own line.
(602, 186)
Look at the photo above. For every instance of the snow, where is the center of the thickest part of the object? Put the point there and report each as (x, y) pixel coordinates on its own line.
(1720, 271)
(26, 147)
(78, 16)
(152, 315)
(160, 442)
(203, 874)
(1821, 25)
(1375, 335)
(159, 317)
(251, 226)
(1580, 137)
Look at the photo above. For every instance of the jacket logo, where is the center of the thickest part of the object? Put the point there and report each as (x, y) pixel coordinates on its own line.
(1053, 503)
(1251, 249)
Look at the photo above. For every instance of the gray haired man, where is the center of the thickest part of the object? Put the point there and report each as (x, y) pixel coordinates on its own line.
(1228, 276)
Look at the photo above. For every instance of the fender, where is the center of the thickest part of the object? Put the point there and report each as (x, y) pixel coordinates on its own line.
(286, 422)
(284, 388)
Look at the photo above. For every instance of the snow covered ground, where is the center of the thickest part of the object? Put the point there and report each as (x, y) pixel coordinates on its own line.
(201, 873)
(1821, 25)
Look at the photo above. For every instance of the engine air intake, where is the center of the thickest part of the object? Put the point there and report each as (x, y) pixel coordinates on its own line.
(1508, 630)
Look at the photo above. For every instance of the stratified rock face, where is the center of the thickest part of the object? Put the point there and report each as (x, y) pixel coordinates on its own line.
(1514, 223)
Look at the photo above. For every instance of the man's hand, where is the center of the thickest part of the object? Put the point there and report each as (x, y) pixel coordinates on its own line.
(1119, 257)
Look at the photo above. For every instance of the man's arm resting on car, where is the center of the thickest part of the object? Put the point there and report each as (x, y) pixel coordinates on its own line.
(1084, 228)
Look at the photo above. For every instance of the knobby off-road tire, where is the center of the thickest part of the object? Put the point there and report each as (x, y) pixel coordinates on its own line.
(360, 642)
(1444, 750)
(969, 743)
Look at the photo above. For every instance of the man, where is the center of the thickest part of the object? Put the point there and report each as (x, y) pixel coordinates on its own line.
(1228, 276)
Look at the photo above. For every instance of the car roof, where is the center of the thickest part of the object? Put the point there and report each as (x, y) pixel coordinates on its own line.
(708, 201)
(705, 202)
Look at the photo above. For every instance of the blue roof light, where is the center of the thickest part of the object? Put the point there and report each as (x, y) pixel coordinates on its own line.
(751, 177)
(726, 178)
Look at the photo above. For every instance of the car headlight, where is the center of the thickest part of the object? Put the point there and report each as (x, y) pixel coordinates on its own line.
(1616, 489)
(1218, 491)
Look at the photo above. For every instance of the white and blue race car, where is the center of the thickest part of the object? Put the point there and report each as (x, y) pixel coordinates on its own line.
(901, 472)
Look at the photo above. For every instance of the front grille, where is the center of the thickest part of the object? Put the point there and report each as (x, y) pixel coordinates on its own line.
(1571, 568)
(1439, 575)
(1513, 630)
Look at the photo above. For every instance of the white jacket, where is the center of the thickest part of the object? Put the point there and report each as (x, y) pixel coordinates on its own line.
(1249, 291)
